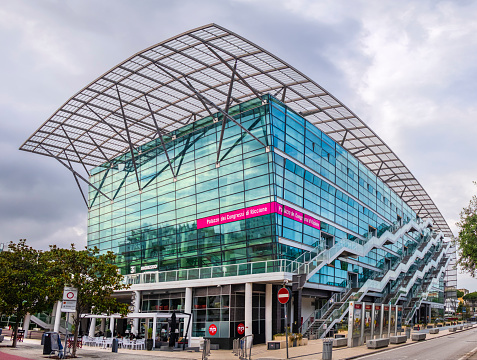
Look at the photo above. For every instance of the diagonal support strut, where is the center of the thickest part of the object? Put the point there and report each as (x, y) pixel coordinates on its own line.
(75, 172)
(131, 148)
(161, 138)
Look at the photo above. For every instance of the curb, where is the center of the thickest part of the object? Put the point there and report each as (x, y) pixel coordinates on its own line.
(407, 344)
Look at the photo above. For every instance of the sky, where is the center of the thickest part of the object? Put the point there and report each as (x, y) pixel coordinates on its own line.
(408, 69)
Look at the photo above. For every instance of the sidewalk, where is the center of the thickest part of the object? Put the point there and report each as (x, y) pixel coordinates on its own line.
(31, 349)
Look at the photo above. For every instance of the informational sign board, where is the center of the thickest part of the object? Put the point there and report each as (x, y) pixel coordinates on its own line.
(386, 318)
(355, 324)
(241, 328)
(392, 321)
(399, 319)
(367, 320)
(70, 296)
(376, 321)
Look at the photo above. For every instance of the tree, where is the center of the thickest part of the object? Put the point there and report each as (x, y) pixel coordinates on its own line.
(96, 278)
(27, 281)
(467, 240)
(470, 296)
(460, 294)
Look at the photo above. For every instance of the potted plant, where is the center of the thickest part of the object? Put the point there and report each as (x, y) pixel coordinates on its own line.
(292, 339)
(149, 342)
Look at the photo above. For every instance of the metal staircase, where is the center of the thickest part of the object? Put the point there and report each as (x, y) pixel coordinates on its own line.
(423, 295)
(311, 262)
(322, 325)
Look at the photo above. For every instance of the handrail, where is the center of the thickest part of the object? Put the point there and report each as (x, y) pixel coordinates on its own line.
(392, 233)
(248, 268)
(340, 312)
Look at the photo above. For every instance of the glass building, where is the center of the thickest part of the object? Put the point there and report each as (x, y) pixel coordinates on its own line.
(218, 174)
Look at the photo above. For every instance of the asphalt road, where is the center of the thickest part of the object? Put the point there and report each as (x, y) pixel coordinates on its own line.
(451, 347)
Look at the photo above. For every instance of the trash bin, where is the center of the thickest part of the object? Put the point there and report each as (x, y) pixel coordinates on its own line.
(115, 345)
(408, 332)
(50, 342)
(327, 349)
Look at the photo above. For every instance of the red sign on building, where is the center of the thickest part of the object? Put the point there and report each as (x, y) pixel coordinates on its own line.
(241, 329)
(212, 330)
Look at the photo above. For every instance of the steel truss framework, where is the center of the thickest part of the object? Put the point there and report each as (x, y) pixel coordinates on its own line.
(195, 74)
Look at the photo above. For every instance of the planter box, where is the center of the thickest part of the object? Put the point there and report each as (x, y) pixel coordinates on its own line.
(276, 345)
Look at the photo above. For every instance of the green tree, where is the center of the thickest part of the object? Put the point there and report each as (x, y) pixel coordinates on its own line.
(467, 240)
(96, 278)
(460, 294)
(470, 296)
(27, 281)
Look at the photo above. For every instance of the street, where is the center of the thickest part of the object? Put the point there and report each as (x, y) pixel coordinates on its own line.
(451, 347)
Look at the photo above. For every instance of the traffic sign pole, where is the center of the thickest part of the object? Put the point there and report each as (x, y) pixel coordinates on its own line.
(283, 298)
(286, 326)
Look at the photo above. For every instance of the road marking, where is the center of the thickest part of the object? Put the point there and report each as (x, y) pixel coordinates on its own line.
(469, 354)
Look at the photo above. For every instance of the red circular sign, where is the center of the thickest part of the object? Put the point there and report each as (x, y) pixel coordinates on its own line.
(241, 329)
(70, 295)
(283, 295)
(212, 330)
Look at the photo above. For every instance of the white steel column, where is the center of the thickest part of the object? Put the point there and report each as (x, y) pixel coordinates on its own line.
(154, 330)
(103, 325)
(188, 310)
(92, 327)
(111, 325)
(136, 304)
(56, 328)
(268, 312)
(248, 308)
(53, 313)
(26, 324)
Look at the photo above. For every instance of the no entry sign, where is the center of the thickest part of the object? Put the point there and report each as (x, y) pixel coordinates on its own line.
(241, 329)
(283, 295)
(212, 330)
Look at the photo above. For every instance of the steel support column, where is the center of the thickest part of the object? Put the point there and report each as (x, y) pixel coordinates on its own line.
(131, 148)
(161, 138)
(74, 171)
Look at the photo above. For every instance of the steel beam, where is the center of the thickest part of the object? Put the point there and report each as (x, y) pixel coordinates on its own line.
(161, 138)
(227, 102)
(131, 148)
(206, 100)
(76, 152)
(74, 172)
(77, 182)
(106, 123)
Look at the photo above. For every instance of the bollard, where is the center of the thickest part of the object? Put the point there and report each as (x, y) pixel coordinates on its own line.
(408, 332)
(115, 345)
(327, 349)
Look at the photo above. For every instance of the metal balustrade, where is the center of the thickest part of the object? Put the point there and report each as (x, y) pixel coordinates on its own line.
(249, 268)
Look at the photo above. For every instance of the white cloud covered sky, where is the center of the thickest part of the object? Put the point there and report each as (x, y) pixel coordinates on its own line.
(407, 68)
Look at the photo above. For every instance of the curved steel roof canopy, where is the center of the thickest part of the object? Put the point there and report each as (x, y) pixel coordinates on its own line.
(188, 76)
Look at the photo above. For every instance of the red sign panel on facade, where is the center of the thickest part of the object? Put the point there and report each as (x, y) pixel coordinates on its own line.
(240, 329)
(212, 330)
(283, 295)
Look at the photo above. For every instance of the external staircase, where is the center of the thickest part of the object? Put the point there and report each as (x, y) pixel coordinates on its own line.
(320, 326)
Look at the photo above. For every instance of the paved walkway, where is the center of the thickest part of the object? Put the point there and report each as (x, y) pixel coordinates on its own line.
(31, 349)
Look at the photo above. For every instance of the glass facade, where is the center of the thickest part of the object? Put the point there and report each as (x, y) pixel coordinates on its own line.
(157, 227)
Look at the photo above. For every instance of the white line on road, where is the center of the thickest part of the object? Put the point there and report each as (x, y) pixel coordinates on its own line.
(469, 354)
